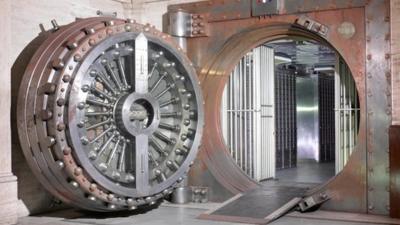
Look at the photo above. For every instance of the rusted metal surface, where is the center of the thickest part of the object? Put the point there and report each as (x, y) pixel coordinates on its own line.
(378, 105)
(394, 140)
(360, 184)
(215, 58)
(219, 10)
(226, 10)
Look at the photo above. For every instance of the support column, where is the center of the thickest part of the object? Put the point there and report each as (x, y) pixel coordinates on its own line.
(8, 182)
(394, 132)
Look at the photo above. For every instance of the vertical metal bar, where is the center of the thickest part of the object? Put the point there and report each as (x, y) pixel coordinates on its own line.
(240, 115)
(256, 133)
(236, 87)
(230, 113)
(248, 68)
(224, 114)
(337, 116)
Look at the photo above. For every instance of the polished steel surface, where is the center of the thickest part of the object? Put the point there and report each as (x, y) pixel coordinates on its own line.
(109, 114)
(307, 117)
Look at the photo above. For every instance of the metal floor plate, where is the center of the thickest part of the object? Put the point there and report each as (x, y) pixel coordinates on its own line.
(261, 205)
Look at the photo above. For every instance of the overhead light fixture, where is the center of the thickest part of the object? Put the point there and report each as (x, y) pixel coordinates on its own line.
(324, 68)
(283, 59)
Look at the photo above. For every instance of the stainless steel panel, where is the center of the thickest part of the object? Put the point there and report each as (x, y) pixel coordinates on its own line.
(307, 117)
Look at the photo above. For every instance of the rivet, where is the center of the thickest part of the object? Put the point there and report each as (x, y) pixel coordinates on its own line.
(77, 57)
(72, 45)
(92, 187)
(110, 23)
(92, 42)
(60, 164)
(387, 56)
(103, 167)
(84, 141)
(184, 137)
(369, 57)
(46, 115)
(111, 206)
(128, 28)
(77, 171)
(90, 31)
(60, 126)
(93, 73)
(110, 197)
(81, 105)
(66, 78)
(85, 88)
(81, 124)
(92, 155)
(92, 198)
(130, 201)
(61, 102)
(67, 150)
(49, 88)
(58, 64)
(109, 31)
(74, 184)
(186, 122)
(186, 106)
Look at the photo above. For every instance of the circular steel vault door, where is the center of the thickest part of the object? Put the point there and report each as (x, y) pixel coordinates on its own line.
(109, 114)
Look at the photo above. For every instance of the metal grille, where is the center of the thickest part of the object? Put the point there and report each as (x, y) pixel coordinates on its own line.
(286, 127)
(248, 114)
(326, 89)
(347, 114)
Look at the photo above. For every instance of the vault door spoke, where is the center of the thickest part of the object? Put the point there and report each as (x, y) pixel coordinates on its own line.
(141, 140)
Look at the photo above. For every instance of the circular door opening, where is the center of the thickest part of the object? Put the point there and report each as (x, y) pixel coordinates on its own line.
(290, 111)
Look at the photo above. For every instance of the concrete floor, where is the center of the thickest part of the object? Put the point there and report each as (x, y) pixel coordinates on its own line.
(307, 171)
(166, 214)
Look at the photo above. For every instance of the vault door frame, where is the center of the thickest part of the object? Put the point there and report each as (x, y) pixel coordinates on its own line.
(232, 30)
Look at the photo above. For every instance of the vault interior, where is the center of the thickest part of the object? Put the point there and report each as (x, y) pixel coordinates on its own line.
(290, 112)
